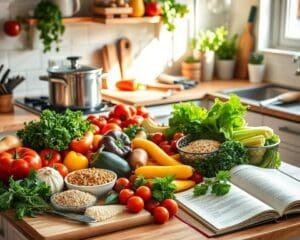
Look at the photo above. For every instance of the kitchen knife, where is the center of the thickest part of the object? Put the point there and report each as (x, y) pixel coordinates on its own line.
(4, 76)
(169, 79)
(287, 97)
(1, 67)
(76, 217)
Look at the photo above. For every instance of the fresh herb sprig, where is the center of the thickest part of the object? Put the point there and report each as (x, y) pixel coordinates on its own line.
(132, 130)
(26, 197)
(54, 130)
(219, 185)
(163, 188)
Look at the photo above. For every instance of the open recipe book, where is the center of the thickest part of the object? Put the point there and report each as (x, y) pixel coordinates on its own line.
(256, 195)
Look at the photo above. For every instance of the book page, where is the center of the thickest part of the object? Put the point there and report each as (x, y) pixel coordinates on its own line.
(220, 212)
(269, 185)
(290, 170)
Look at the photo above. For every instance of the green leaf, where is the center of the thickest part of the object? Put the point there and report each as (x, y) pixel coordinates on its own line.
(112, 198)
(139, 181)
(200, 189)
(220, 188)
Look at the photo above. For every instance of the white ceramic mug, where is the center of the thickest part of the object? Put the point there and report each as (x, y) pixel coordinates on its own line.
(67, 7)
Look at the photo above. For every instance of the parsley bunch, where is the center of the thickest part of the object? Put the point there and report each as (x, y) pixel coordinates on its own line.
(54, 130)
(218, 185)
(26, 197)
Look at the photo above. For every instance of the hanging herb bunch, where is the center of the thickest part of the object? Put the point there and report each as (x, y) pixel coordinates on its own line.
(171, 10)
(49, 22)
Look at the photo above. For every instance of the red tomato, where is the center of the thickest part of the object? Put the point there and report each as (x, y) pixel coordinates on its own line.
(144, 192)
(173, 145)
(161, 214)
(110, 126)
(64, 153)
(132, 179)
(157, 138)
(177, 136)
(91, 117)
(197, 177)
(122, 112)
(149, 185)
(163, 143)
(171, 205)
(99, 122)
(115, 120)
(167, 148)
(61, 168)
(96, 130)
(151, 205)
(141, 111)
(135, 120)
(17, 162)
(132, 110)
(135, 204)
(82, 144)
(124, 195)
(12, 28)
(121, 183)
(49, 156)
(152, 9)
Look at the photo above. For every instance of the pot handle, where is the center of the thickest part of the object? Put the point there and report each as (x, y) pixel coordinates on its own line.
(53, 80)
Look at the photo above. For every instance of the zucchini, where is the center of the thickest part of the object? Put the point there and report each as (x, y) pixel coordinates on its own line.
(111, 161)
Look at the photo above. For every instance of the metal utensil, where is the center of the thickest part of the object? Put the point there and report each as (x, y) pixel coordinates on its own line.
(74, 216)
(2, 81)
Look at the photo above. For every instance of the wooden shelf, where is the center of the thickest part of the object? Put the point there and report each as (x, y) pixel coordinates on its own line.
(129, 20)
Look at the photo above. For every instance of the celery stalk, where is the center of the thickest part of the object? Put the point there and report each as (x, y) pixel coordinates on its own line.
(249, 132)
(255, 141)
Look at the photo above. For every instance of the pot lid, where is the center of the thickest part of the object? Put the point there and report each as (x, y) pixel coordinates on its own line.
(74, 67)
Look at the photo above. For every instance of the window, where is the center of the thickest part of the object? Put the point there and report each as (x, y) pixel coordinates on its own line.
(282, 18)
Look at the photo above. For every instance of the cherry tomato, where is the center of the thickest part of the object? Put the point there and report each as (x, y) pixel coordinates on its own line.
(197, 177)
(122, 112)
(161, 214)
(91, 117)
(96, 142)
(149, 185)
(157, 138)
(99, 122)
(132, 179)
(49, 156)
(177, 136)
(132, 110)
(82, 144)
(167, 148)
(115, 120)
(144, 192)
(173, 145)
(151, 204)
(17, 162)
(135, 204)
(110, 126)
(171, 205)
(152, 9)
(12, 28)
(121, 183)
(96, 130)
(61, 168)
(124, 195)
(165, 142)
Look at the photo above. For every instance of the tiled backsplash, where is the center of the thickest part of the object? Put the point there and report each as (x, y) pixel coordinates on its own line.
(24, 54)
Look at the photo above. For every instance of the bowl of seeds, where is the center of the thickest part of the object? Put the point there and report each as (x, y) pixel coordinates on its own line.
(72, 201)
(96, 181)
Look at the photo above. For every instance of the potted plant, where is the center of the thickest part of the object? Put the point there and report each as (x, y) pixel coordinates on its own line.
(226, 58)
(205, 45)
(191, 68)
(49, 23)
(256, 67)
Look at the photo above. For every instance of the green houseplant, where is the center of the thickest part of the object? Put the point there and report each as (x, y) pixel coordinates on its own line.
(49, 23)
(256, 67)
(226, 58)
(205, 45)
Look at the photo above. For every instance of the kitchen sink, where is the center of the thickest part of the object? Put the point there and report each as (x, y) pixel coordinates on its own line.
(255, 95)
(259, 93)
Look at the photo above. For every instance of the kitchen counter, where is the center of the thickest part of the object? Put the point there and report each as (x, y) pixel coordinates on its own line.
(15, 120)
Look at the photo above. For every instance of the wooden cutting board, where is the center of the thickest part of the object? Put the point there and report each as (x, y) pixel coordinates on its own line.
(246, 46)
(50, 227)
(125, 55)
(110, 60)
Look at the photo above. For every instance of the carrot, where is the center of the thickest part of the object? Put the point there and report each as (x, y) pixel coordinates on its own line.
(127, 85)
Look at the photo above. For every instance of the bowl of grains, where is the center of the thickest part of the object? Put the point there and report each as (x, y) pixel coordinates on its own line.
(72, 201)
(92, 180)
(191, 148)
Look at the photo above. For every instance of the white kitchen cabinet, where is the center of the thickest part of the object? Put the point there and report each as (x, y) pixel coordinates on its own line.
(8, 231)
(289, 133)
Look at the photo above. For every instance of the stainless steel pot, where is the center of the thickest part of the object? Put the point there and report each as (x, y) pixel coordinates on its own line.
(74, 86)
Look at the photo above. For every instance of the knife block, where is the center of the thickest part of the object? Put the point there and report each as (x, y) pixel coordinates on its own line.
(6, 103)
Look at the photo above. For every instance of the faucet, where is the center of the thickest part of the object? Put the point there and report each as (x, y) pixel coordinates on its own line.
(295, 59)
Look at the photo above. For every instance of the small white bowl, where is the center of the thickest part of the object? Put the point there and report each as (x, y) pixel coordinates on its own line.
(97, 190)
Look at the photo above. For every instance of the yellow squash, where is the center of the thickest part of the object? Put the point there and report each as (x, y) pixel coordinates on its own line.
(182, 185)
(155, 152)
(179, 171)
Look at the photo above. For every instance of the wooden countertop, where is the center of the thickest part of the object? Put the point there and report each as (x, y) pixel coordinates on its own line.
(15, 120)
